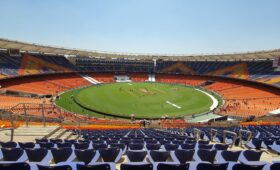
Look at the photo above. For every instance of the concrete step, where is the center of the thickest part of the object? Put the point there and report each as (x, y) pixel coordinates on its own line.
(28, 134)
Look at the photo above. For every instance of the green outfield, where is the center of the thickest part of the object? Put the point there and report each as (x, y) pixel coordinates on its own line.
(144, 100)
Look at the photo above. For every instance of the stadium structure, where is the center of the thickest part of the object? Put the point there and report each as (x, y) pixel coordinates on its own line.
(80, 109)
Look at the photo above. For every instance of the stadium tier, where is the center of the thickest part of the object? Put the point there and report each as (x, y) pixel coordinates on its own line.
(43, 89)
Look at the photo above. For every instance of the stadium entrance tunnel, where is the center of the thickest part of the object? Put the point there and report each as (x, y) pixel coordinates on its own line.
(140, 100)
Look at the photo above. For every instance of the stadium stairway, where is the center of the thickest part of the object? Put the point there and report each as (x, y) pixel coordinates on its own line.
(30, 133)
(90, 79)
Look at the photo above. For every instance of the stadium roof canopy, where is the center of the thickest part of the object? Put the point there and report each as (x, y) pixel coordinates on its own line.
(46, 49)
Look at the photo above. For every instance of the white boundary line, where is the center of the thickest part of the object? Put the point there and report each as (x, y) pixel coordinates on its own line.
(215, 101)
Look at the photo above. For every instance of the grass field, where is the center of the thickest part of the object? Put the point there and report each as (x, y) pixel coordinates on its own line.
(144, 100)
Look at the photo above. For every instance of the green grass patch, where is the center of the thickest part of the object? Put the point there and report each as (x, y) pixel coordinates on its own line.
(144, 100)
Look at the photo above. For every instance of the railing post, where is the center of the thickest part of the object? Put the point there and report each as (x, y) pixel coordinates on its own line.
(43, 115)
(231, 133)
(213, 134)
(248, 133)
(25, 114)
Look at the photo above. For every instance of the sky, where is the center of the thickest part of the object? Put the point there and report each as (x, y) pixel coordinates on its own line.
(145, 26)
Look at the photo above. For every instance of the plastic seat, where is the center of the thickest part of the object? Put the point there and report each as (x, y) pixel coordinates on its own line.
(13, 154)
(87, 156)
(83, 145)
(182, 156)
(207, 155)
(136, 156)
(208, 166)
(187, 146)
(62, 154)
(153, 146)
(110, 154)
(229, 156)
(159, 156)
(99, 146)
(205, 146)
(275, 166)
(167, 166)
(47, 145)
(38, 155)
(251, 155)
(60, 167)
(64, 145)
(136, 166)
(247, 167)
(26, 145)
(203, 142)
(14, 166)
(136, 146)
(94, 167)
(221, 146)
(171, 147)
(8, 144)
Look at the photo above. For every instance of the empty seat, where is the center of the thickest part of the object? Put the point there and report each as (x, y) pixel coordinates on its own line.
(229, 156)
(275, 166)
(207, 155)
(118, 145)
(83, 145)
(26, 145)
(47, 145)
(38, 155)
(208, 166)
(61, 167)
(136, 156)
(221, 146)
(64, 145)
(188, 146)
(159, 156)
(166, 166)
(8, 144)
(94, 167)
(171, 147)
(136, 146)
(87, 156)
(153, 146)
(62, 154)
(56, 140)
(205, 146)
(13, 154)
(247, 167)
(203, 142)
(251, 155)
(99, 146)
(136, 166)
(14, 166)
(110, 154)
(182, 155)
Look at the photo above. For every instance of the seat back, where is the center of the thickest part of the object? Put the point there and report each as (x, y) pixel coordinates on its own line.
(12, 154)
(83, 145)
(247, 167)
(207, 155)
(231, 155)
(14, 166)
(251, 155)
(62, 167)
(207, 166)
(94, 167)
(36, 155)
(153, 146)
(109, 154)
(275, 166)
(136, 156)
(165, 166)
(26, 145)
(136, 167)
(184, 155)
(159, 156)
(61, 154)
(85, 155)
